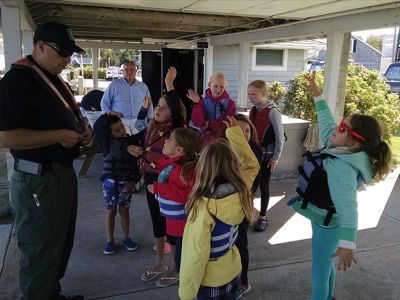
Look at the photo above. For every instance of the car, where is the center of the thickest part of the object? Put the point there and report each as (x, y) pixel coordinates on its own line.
(317, 65)
(112, 73)
(392, 76)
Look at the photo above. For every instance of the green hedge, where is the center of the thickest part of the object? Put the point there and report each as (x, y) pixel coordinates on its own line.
(366, 93)
(88, 72)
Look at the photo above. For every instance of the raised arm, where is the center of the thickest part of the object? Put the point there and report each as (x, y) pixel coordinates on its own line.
(248, 161)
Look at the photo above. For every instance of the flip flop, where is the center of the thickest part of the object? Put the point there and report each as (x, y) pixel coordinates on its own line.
(150, 275)
(166, 281)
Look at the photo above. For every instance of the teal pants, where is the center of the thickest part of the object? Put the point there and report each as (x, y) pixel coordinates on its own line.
(45, 207)
(324, 244)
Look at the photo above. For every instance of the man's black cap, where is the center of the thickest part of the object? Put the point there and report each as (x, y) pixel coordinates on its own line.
(57, 33)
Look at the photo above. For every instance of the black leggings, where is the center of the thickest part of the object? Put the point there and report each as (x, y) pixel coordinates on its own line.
(264, 187)
(242, 243)
(157, 219)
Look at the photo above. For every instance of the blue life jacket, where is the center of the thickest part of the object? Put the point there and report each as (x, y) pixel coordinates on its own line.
(169, 208)
(215, 110)
(313, 184)
(223, 238)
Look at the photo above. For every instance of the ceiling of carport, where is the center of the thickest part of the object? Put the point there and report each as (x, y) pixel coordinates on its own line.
(173, 20)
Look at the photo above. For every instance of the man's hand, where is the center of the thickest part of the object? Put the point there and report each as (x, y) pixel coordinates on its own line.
(135, 150)
(345, 258)
(192, 95)
(87, 136)
(68, 138)
(115, 113)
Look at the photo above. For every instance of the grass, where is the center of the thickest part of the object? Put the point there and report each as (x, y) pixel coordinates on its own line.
(395, 146)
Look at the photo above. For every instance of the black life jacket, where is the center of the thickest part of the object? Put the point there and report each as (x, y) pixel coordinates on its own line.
(119, 164)
(313, 184)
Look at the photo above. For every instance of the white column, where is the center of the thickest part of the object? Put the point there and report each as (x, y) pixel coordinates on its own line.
(244, 53)
(209, 64)
(95, 64)
(27, 42)
(337, 56)
(10, 22)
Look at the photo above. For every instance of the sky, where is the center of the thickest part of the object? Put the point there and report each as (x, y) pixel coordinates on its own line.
(367, 33)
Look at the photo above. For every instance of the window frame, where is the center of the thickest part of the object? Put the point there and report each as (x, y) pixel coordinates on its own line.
(282, 67)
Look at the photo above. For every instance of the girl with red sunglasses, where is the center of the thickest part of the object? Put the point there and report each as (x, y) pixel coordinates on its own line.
(357, 155)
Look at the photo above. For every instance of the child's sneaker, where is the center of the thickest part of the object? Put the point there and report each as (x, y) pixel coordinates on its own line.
(109, 248)
(130, 245)
(242, 290)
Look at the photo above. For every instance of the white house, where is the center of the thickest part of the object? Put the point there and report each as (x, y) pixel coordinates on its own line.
(269, 62)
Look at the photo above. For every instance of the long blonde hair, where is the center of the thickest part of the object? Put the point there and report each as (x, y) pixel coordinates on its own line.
(219, 164)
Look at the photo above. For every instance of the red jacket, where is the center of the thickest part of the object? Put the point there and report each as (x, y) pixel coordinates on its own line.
(175, 189)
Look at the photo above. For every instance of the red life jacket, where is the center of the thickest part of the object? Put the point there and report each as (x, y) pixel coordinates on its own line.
(153, 145)
(265, 132)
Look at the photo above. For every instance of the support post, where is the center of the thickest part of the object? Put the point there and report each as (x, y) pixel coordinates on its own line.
(337, 56)
(244, 53)
(95, 64)
(27, 42)
(11, 28)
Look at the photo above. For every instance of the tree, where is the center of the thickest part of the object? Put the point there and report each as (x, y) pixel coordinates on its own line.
(375, 41)
(366, 93)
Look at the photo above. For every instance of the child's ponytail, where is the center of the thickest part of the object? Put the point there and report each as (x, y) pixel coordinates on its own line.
(191, 144)
(378, 151)
(381, 159)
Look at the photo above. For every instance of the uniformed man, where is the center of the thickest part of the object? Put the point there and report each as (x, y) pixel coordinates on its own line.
(41, 124)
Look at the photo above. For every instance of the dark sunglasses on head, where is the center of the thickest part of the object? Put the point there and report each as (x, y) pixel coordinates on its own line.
(343, 127)
(55, 47)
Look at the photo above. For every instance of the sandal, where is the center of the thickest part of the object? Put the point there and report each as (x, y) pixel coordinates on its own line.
(150, 275)
(166, 281)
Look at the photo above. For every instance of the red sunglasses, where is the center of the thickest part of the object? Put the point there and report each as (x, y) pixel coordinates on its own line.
(343, 127)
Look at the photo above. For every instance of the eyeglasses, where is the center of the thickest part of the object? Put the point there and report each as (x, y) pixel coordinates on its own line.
(343, 127)
(62, 53)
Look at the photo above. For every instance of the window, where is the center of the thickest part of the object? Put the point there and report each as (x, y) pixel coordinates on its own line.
(269, 59)
(353, 45)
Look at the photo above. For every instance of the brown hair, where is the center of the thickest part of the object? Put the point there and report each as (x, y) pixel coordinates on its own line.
(253, 130)
(377, 150)
(217, 164)
(191, 144)
(178, 113)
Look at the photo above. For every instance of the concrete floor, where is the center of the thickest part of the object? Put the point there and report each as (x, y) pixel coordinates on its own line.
(279, 258)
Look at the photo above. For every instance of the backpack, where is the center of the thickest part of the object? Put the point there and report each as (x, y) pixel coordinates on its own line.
(313, 184)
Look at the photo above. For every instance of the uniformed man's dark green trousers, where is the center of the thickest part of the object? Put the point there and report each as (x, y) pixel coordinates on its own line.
(45, 206)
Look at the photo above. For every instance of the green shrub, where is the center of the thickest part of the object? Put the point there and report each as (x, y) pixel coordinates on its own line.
(102, 73)
(275, 91)
(88, 72)
(366, 93)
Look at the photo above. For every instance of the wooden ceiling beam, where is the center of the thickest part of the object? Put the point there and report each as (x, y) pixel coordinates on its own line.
(111, 24)
(130, 15)
(89, 32)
